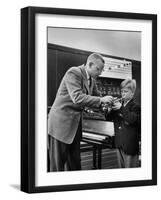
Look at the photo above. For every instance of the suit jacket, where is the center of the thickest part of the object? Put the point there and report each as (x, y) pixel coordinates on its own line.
(72, 96)
(127, 127)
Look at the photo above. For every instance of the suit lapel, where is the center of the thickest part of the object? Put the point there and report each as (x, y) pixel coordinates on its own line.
(85, 80)
(91, 88)
(129, 103)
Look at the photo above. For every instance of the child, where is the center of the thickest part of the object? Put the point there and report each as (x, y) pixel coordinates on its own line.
(126, 118)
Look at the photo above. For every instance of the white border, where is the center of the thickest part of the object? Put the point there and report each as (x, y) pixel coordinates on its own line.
(62, 178)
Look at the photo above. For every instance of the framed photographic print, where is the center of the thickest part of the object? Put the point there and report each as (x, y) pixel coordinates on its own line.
(88, 99)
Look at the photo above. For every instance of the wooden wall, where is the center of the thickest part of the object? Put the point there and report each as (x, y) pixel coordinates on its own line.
(60, 59)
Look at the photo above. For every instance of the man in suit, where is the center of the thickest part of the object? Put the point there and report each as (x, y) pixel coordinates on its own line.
(77, 90)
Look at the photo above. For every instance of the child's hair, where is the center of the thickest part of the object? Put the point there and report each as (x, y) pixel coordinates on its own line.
(129, 83)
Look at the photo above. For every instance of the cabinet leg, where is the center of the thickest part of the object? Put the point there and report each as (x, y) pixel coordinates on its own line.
(99, 157)
(94, 157)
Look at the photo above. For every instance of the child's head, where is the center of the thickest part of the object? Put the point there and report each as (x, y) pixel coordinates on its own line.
(128, 87)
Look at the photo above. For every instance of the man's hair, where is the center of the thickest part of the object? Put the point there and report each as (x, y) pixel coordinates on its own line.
(129, 83)
(95, 56)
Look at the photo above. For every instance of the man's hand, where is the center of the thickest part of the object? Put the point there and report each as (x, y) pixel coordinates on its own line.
(106, 99)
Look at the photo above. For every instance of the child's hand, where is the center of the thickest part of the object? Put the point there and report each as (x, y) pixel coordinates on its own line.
(116, 106)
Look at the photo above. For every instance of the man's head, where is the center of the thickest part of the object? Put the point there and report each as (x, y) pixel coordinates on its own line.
(128, 87)
(95, 65)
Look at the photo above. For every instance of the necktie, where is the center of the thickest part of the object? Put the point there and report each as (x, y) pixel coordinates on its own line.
(90, 81)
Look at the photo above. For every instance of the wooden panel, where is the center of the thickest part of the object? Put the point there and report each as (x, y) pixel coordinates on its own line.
(59, 61)
(65, 60)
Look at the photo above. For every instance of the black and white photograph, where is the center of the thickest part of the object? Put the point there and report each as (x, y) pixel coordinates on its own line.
(89, 91)
(80, 100)
(94, 99)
